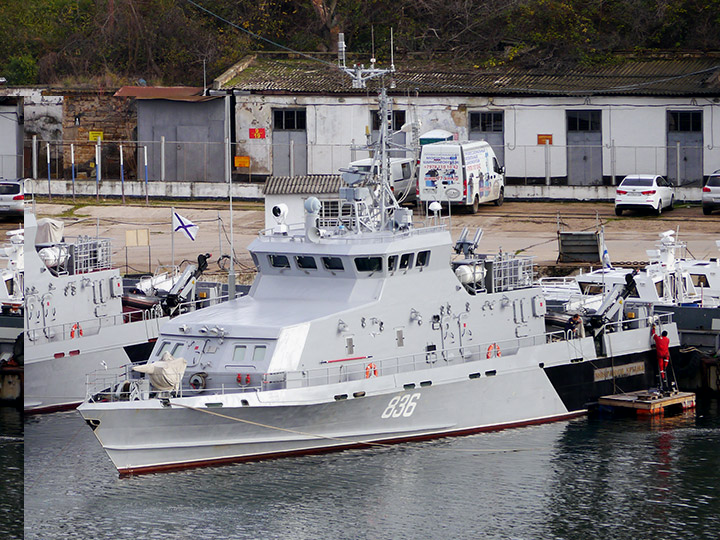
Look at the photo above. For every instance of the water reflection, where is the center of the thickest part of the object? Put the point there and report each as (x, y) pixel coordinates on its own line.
(634, 478)
(11, 474)
(587, 478)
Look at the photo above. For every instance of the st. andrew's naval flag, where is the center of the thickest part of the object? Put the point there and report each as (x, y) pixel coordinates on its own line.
(185, 225)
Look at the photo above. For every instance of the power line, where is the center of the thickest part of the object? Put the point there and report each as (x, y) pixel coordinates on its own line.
(257, 36)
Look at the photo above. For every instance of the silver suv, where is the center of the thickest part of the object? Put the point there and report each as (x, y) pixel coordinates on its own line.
(12, 198)
(711, 194)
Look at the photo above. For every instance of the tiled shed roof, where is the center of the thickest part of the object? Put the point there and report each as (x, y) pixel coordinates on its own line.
(312, 184)
(660, 77)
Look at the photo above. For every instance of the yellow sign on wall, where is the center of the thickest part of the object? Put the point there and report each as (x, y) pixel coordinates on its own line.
(242, 161)
(96, 136)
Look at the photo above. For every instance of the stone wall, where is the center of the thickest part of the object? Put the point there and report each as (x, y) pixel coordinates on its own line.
(86, 112)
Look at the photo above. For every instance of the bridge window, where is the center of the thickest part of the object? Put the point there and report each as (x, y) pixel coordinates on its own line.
(305, 262)
(173, 347)
(392, 263)
(368, 264)
(406, 261)
(239, 354)
(279, 261)
(259, 354)
(423, 258)
(333, 263)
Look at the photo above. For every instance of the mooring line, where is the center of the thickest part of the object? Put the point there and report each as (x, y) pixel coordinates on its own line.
(344, 441)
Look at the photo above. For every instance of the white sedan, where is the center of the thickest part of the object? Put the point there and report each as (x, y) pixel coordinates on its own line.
(644, 191)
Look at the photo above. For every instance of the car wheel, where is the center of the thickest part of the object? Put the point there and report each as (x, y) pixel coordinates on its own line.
(501, 197)
(707, 210)
(475, 205)
(658, 211)
(618, 211)
(672, 203)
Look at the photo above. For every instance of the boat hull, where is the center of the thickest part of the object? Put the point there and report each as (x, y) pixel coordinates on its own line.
(56, 372)
(144, 437)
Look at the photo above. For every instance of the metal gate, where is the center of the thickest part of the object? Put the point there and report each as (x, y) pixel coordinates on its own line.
(584, 148)
(685, 147)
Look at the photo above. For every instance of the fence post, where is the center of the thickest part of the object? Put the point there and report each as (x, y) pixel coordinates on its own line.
(97, 171)
(47, 148)
(72, 167)
(146, 176)
(547, 163)
(228, 179)
(677, 162)
(122, 175)
(34, 157)
(162, 158)
(612, 162)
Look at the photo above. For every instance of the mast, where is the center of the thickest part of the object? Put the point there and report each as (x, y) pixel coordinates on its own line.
(360, 75)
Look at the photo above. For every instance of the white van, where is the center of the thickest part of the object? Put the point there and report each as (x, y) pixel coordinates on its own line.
(402, 176)
(458, 173)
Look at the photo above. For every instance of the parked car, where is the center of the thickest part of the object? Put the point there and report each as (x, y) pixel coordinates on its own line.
(711, 194)
(644, 191)
(12, 198)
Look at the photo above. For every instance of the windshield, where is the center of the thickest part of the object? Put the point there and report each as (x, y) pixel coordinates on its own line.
(713, 181)
(640, 182)
(9, 189)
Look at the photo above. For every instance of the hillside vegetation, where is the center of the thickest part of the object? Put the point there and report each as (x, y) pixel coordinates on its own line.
(114, 42)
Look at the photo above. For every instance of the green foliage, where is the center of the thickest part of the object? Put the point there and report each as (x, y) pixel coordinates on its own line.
(21, 70)
(166, 41)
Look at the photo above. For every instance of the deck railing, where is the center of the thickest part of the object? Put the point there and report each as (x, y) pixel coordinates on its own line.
(109, 385)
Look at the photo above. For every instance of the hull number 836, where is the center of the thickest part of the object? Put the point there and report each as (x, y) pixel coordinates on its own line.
(403, 405)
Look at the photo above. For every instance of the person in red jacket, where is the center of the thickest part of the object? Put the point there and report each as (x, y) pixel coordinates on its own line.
(662, 349)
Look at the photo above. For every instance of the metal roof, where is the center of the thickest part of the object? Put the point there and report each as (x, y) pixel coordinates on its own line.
(312, 184)
(695, 76)
(172, 93)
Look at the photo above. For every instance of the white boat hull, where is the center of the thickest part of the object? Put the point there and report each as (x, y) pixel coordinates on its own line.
(148, 436)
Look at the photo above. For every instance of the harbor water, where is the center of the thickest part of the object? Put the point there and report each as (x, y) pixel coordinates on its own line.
(11, 473)
(610, 478)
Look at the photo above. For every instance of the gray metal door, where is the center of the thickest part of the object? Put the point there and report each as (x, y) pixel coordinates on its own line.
(289, 140)
(489, 126)
(155, 154)
(192, 156)
(685, 146)
(584, 148)
(289, 146)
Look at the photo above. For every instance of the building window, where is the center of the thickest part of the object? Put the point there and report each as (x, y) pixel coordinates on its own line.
(397, 122)
(583, 120)
(289, 119)
(685, 121)
(486, 121)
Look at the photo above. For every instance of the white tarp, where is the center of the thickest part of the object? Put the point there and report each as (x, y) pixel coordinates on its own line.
(49, 231)
(165, 374)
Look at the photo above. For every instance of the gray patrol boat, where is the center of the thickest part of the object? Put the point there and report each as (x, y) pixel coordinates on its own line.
(360, 330)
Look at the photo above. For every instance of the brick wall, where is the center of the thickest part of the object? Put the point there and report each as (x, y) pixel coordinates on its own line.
(86, 111)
